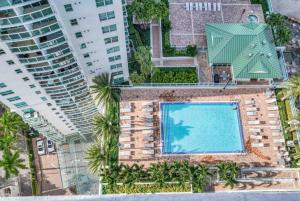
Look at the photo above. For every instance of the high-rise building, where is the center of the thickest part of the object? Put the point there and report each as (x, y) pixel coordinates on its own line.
(49, 52)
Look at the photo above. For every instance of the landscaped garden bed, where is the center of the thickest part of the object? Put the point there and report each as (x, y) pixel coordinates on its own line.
(175, 75)
(147, 188)
(289, 133)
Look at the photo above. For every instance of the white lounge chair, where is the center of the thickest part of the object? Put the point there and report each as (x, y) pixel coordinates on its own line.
(148, 109)
(205, 6)
(200, 6)
(274, 108)
(148, 152)
(270, 101)
(125, 139)
(256, 137)
(125, 110)
(251, 109)
(255, 130)
(148, 139)
(149, 145)
(146, 132)
(274, 122)
(187, 6)
(214, 6)
(126, 146)
(281, 140)
(272, 115)
(249, 102)
(275, 127)
(125, 153)
(191, 6)
(256, 122)
(209, 6)
(253, 113)
(276, 134)
(125, 135)
(257, 144)
(219, 6)
(125, 126)
(125, 117)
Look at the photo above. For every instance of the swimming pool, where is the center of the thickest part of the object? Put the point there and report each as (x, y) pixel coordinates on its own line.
(210, 127)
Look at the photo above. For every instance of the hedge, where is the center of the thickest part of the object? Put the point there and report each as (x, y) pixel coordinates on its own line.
(175, 75)
(146, 188)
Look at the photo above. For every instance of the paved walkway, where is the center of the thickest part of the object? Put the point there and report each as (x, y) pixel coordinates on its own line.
(157, 56)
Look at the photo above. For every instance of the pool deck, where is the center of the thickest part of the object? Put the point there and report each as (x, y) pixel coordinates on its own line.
(134, 130)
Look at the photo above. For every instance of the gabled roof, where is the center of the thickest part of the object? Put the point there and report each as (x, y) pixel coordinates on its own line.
(249, 48)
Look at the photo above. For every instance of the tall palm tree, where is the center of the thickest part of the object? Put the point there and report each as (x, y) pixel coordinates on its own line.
(7, 142)
(11, 163)
(106, 126)
(159, 173)
(291, 88)
(96, 159)
(228, 172)
(10, 123)
(179, 172)
(104, 91)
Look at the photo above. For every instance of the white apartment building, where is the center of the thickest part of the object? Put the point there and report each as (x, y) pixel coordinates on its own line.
(49, 52)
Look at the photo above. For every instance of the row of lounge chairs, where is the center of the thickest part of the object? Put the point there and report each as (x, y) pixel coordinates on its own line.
(205, 6)
(127, 142)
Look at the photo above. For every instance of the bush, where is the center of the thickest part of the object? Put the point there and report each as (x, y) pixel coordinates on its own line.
(175, 75)
(264, 4)
(191, 50)
(148, 188)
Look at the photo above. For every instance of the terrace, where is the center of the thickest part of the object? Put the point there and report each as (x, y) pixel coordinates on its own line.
(188, 24)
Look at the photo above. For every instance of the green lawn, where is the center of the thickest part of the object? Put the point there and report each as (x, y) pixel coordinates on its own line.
(175, 75)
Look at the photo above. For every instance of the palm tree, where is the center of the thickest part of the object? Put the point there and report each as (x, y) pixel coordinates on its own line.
(96, 160)
(179, 172)
(7, 142)
(292, 87)
(111, 175)
(10, 123)
(104, 92)
(11, 163)
(159, 173)
(228, 172)
(106, 127)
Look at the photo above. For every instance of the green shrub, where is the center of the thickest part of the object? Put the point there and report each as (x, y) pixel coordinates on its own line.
(191, 50)
(147, 188)
(175, 75)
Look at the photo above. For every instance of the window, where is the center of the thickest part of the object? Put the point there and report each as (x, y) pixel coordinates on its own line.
(18, 71)
(115, 66)
(109, 28)
(32, 86)
(37, 92)
(78, 34)
(13, 98)
(86, 55)
(25, 79)
(21, 104)
(2, 51)
(2, 85)
(114, 58)
(10, 62)
(68, 7)
(107, 16)
(82, 45)
(89, 63)
(5, 93)
(73, 22)
(113, 49)
(100, 3)
(111, 40)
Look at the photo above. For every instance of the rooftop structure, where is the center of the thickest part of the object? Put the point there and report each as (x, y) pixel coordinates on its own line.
(248, 48)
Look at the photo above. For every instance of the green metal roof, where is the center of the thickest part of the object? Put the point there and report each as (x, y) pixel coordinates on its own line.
(249, 48)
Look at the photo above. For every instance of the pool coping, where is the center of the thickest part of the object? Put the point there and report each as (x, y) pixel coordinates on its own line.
(243, 152)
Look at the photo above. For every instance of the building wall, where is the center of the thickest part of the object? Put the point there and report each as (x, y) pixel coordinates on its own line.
(43, 63)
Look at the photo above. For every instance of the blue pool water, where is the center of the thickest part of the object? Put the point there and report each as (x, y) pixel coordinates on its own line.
(189, 128)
